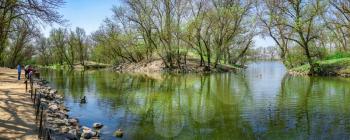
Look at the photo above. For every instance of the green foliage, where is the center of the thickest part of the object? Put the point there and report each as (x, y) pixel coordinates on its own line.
(338, 55)
(20, 21)
(295, 58)
(304, 69)
(29, 62)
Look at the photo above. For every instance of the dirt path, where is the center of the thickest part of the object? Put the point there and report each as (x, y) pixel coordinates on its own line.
(17, 119)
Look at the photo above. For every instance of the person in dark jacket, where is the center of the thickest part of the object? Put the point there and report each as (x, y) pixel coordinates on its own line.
(30, 72)
(26, 71)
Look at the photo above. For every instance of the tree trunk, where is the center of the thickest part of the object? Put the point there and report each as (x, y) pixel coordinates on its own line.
(309, 59)
(169, 53)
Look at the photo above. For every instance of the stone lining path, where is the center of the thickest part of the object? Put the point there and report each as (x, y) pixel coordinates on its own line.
(17, 118)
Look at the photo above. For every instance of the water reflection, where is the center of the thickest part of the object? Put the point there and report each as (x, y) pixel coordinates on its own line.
(260, 103)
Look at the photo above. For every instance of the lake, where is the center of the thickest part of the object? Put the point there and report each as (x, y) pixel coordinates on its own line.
(261, 102)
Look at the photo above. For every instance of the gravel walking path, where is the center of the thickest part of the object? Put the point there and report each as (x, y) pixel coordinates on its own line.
(17, 118)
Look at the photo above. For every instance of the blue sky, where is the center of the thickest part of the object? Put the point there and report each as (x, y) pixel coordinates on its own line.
(89, 14)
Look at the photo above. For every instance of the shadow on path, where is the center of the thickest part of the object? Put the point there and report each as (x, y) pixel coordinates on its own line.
(17, 117)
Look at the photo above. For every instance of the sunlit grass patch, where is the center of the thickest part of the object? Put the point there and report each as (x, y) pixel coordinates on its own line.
(340, 67)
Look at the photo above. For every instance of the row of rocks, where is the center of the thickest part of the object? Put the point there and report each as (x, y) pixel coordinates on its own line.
(57, 119)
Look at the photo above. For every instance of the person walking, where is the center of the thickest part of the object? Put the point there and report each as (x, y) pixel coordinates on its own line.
(19, 69)
(26, 71)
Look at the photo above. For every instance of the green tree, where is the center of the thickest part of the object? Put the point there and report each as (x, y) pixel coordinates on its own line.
(28, 12)
(301, 18)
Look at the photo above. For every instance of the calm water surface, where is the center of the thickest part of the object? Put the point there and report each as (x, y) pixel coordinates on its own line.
(260, 103)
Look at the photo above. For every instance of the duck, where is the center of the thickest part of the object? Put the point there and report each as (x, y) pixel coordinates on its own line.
(119, 133)
(83, 100)
(97, 125)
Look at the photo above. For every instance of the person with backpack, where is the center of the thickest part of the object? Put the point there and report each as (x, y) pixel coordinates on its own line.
(26, 71)
(30, 72)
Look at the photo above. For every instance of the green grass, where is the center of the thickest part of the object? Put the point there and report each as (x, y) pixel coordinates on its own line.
(338, 55)
(338, 61)
(337, 66)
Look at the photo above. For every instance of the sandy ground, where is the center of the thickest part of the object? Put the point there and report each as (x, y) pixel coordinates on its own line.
(17, 119)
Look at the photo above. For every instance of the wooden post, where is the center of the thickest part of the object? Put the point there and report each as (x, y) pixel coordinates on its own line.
(31, 88)
(34, 96)
(38, 107)
(26, 85)
(41, 123)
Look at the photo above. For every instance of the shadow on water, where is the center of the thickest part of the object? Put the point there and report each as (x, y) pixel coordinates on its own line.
(260, 103)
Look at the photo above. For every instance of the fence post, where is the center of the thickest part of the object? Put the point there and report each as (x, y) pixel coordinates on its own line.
(35, 97)
(41, 122)
(38, 107)
(31, 89)
(26, 85)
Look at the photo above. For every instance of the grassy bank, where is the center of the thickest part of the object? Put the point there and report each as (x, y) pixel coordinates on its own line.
(332, 67)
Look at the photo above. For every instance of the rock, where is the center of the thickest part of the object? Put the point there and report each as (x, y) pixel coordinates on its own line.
(58, 96)
(56, 102)
(97, 125)
(119, 133)
(66, 109)
(73, 131)
(88, 133)
(59, 121)
(65, 136)
(64, 129)
(57, 116)
(73, 122)
(60, 115)
(49, 118)
(53, 107)
(86, 129)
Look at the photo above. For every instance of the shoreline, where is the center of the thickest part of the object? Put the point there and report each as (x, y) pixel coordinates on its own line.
(53, 114)
(56, 121)
(151, 66)
(35, 111)
(328, 68)
(294, 73)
